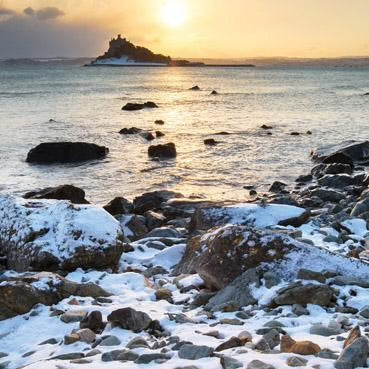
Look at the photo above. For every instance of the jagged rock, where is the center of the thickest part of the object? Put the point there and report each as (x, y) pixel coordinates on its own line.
(364, 311)
(340, 180)
(272, 338)
(354, 355)
(296, 361)
(128, 318)
(232, 342)
(159, 134)
(153, 200)
(311, 275)
(297, 293)
(138, 106)
(93, 321)
(137, 224)
(119, 355)
(86, 335)
(257, 364)
(154, 220)
(230, 363)
(130, 131)
(205, 218)
(64, 192)
(165, 151)
(299, 347)
(195, 88)
(194, 352)
(65, 152)
(349, 281)
(357, 151)
(277, 186)
(119, 205)
(354, 334)
(137, 342)
(19, 295)
(360, 208)
(328, 195)
(57, 235)
(148, 136)
(148, 358)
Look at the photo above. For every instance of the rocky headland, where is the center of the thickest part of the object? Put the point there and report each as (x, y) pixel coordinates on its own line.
(167, 281)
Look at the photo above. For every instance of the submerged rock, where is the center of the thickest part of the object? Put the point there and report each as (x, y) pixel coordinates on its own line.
(64, 192)
(119, 205)
(195, 88)
(210, 142)
(130, 131)
(163, 151)
(57, 235)
(65, 152)
(138, 106)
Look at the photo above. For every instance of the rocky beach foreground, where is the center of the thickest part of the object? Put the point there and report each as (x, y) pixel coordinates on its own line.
(172, 282)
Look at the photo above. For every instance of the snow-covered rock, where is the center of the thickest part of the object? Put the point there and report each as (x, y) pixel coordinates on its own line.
(52, 234)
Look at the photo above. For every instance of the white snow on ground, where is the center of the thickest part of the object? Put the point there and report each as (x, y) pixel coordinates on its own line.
(68, 226)
(124, 61)
(257, 215)
(356, 226)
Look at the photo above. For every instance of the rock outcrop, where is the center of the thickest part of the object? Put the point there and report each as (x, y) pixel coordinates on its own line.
(65, 152)
(57, 235)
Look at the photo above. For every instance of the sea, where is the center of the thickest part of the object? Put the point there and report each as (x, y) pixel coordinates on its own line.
(48, 102)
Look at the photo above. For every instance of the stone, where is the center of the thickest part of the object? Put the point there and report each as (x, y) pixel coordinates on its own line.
(271, 279)
(232, 342)
(110, 341)
(257, 364)
(130, 131)
(159, 134)
(148, 358)
(194, 352)
(93, 321)
(73, 316)
(364, 312)
(166, 151)
(262, 345)
(299, 347)
(357, 151)
(210, 142)
(148, 136)
(311, 275)
(138, 227)
(321, 330)
(354, 355)
(50, 341)
(71, 338)
(349, 281)
(86, 335)
(128, 318)
(159, 121)
(272, 338)
(354, 334)
(295, 361)
(119, 355)
(119, 205)
(297, 293)
(265, 126)
(230, 363)
(339, 180)
(65, 152)
(51, 246)
(328, 195)
(245, 337)
(277, 186)
(138, 106)
(360, 208)
(163, 294)
(137, 342)
(195, 88)
(164, 232)
(153, 200)
(214, 92)
(18, 295)
(154, 219)
(64, 192)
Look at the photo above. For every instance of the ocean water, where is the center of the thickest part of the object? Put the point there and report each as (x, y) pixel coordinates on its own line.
(86, 106)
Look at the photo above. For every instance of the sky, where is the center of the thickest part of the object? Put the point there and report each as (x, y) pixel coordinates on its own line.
(186, 28)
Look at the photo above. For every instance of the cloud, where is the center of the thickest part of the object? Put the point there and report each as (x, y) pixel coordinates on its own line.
(29, 11)
(5, 11)
(50, 12)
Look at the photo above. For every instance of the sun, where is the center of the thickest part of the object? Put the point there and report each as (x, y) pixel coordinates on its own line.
(174, 13)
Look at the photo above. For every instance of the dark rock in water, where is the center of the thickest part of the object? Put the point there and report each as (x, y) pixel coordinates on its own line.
(309, 132)
(328, 195)
(65, 152)
(222, 133)
(18, 295)
(195, 88)
(335, 168)
(295, 134)
(297, 293)
(265, 126)
(340, 180)
(128, 318)
(163, 151)
(153, 200)
(148, 136)
(354, 356)
(119, 205)
(214, 92)
(130, 131)
(357, 151)
(64, 192)
(304, 178)
(210, 142)
(277, 186)
(159, 134)
(93, 321)
(138, 106)
(159, 121)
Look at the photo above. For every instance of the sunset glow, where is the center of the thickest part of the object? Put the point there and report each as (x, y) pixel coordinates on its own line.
(173, 13)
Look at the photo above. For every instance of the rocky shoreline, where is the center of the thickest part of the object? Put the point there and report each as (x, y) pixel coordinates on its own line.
(277, 282)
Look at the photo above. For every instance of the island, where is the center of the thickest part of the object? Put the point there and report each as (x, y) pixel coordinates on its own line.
(123, 53)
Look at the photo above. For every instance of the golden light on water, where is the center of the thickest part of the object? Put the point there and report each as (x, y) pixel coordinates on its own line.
(174, 13)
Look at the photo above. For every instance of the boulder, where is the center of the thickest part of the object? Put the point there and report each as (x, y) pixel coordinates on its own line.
(130, 131)
(195, 88)
(19, 294)
(128, 318)
(327, 195)
(339, 158)
(159, 121)
(159, 134)
(354, 355)
(163, 151)
(257, 364)
(93, 321)
(214, 92)
(256, 215)
(357, 151)
(298, 293)
(230, 363)
(148, 136)
(138, 106)
(65, 152)
(340, 180)
(194, 352)
(54, 235)
(64, 192)
(152, 200)
(210, 142)
(119, 205)
(232, 342)
(335, 168)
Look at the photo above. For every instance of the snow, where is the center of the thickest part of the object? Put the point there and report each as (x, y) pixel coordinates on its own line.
(356, 226)
(253, 214)
(124, 61)
(62, 227)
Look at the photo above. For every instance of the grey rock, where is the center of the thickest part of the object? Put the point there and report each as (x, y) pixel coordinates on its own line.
(73, 316)
(69, 356)
(128, 318)
(328, 195)
(110, 341)
(321, 330)
(164, 232)
(349, 281)
(257, 364)
(148, 358)
(272, 338)
(364, 312)
(354, 355)
(194, 352)
(137, 342)
(271, 279)
(230, 363)
(296, 361)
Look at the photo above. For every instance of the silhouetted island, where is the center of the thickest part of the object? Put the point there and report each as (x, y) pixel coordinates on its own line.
(123, 53)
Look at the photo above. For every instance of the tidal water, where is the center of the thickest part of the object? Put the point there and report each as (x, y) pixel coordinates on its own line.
(86, 106)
